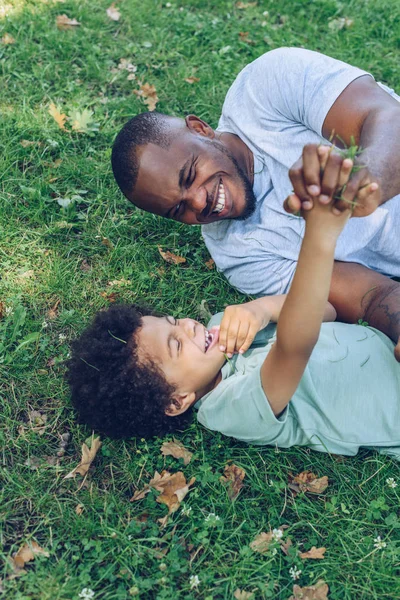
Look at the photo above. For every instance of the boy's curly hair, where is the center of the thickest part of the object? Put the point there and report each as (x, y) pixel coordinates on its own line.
(113, 391)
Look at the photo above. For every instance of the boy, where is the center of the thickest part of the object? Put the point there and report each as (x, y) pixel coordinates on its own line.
(334, 388)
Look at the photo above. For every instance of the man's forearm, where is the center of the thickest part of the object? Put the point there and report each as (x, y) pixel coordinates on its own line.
(382, 309)
(380, 141)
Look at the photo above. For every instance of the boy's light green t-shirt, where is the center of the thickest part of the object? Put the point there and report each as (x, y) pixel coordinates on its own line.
(348, 397)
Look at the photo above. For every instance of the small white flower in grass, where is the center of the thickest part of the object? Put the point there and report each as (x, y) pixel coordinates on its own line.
(62, 337)
(86, 594)
(212, 518)
(186, 510)
(274, 551)
(45, 325)
(9, 311)
(379, 543)
(168, 5)
(277, 534)
(194, 582)
(294, 573)
(391, 482)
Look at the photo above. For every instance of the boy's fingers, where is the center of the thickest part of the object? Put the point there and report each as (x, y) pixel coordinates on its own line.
(345, 171)
(242, 335)
(232, 337)
(223, 330)
(251, 334)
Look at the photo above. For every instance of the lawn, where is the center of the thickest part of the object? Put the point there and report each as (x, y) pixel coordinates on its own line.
(70, 245)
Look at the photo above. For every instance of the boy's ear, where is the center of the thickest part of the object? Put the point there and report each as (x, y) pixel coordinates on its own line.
(180, 403)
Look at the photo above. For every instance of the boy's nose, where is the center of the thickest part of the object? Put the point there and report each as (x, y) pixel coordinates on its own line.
(189, 327)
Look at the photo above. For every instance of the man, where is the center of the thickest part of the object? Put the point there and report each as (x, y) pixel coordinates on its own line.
(234, 180)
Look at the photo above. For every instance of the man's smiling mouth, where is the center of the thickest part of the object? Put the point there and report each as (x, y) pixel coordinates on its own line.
(220, 200)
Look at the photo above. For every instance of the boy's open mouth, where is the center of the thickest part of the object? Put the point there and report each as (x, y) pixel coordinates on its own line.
(211, 337)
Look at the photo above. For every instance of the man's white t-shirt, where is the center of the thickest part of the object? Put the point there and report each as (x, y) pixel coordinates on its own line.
(276, 105)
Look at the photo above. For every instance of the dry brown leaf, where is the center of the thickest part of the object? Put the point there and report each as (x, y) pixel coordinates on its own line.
(2, 310)
(262, 542)
(57, 116)
(177, 450)
(27, 143)
(7, 39)
(88, 456)
(79, 509)
(307, 481)
(242, 595)
(109, 297)
(314, 553)
(106, 242)
(233, 477)
(171, 258)
(285, 544)
(140, 494)
(173, 488)
(192, 79)
(244, 5)
(210, 263)
(64, 22)
(113, 13)
(149, 94)
(119, 282)
(85, 266)
(52, 313)
(37, 421)
(319, 591)
(28, 552)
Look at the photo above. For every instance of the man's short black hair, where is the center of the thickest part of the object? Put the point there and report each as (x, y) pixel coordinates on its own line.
(113, 390)
(148, 127)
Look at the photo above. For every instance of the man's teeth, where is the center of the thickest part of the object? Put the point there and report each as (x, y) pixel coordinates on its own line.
(220, 200)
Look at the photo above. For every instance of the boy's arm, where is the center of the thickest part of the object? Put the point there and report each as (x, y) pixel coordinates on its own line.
(241, 322)
(301, 317)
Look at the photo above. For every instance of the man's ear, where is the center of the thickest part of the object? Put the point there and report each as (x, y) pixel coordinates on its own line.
(180, 403)
(197, 125)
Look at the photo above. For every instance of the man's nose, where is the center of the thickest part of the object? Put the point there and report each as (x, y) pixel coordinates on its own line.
(197, 200)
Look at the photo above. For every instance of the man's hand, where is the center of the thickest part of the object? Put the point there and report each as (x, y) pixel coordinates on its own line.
(321, 173)
(239, 326)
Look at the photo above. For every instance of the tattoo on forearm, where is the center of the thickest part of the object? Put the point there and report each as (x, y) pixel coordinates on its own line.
(383, 311)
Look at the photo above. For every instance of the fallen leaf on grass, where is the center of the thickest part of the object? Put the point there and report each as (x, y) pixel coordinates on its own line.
(319, 591)
(119, 282)
(52, 313)
(262, 542)
(37, 421)
(171, 258)
(85, 266)
(3, 311)
(244, 5)
(7, 39)
(27, 553)
(27, 143)
(285, 545)
(340, 23)
(149, 94)
(83, 121)
(192, 79)
(57, 115)
(64, 22)
(79, 508)
(110, 297)
(173, 488)
(177, 450)
(307, 481)
(314, 553)
(242, 595)
(106, 242)
(210, 263)
(233, 477)
(113, 13)
(88, 456)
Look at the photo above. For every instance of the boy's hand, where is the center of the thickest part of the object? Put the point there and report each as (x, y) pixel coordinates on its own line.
(319, 174)
(239, 326)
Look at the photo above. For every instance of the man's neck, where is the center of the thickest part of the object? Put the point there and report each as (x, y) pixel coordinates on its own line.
(240, 151)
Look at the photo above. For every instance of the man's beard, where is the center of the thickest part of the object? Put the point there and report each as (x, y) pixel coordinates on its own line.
(250, 201)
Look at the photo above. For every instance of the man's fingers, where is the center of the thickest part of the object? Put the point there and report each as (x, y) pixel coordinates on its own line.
(296, 175)
(311, 170)
(293, 204)
(330, 178)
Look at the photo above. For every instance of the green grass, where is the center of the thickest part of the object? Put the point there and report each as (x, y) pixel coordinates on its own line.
(49, 253)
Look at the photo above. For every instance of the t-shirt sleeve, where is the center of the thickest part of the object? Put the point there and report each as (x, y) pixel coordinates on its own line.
(239, 408)
(291, 84)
